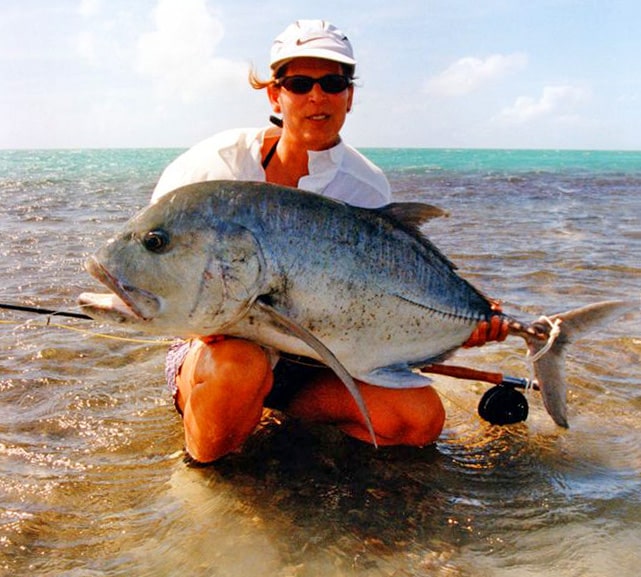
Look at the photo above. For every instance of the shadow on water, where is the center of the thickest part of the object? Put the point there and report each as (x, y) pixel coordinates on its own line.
(317, 502)
(300, 501)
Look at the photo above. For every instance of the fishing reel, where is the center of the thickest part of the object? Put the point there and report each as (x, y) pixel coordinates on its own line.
(500, 405)
(503, 404)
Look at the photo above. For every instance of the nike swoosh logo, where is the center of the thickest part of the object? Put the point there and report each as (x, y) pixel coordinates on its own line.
(300, 42)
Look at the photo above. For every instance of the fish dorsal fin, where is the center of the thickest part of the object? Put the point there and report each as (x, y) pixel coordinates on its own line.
(412, 215)
(326, 356)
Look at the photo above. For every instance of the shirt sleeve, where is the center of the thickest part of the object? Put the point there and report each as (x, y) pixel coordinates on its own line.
(229, 155)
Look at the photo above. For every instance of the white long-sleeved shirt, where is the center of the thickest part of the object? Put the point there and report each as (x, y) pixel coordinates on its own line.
(340, 172)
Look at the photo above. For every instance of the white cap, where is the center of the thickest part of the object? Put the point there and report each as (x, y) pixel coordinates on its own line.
(311, 39)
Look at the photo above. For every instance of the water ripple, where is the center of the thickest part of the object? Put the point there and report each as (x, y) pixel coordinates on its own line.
(92, 480)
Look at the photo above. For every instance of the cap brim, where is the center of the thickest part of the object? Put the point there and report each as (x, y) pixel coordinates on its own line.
(313, 53)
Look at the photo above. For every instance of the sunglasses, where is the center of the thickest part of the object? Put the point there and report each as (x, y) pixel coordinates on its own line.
(330, 83)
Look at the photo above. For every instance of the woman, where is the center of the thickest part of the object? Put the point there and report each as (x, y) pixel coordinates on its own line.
(222, 385)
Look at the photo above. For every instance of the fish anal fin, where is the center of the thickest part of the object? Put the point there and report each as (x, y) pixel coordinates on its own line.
(396, 377)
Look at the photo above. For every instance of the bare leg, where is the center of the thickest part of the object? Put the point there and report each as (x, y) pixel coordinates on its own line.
(399, 416)
(221, 389)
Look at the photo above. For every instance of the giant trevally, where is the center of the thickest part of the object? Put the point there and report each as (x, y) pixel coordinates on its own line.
(362, 290)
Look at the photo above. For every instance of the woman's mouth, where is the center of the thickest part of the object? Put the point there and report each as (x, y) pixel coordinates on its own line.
(318, 117)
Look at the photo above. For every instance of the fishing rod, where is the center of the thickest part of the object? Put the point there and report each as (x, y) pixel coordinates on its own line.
(477, 375)
(500, 405)
(448, 370)
(43, 311)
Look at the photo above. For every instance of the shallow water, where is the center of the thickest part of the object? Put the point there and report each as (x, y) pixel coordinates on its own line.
(92, 476)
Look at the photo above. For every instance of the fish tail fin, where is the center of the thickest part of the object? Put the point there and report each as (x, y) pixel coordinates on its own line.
(548, 354)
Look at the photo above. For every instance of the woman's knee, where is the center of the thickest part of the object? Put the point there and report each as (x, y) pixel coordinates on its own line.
(399, 416)
(221, 389)
(412, 417)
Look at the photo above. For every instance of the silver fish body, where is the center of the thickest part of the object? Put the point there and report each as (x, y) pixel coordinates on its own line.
(362, 290)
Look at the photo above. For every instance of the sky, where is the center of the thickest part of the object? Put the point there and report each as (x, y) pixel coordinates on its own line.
(553, 74)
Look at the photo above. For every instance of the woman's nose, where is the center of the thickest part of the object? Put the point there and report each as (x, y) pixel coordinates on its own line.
(317, 93)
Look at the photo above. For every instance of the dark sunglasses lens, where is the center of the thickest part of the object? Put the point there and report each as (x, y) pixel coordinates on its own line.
(298, 84)
(334, 83)
(331, 83)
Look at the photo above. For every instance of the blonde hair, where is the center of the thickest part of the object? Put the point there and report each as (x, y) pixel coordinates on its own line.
(258, 83)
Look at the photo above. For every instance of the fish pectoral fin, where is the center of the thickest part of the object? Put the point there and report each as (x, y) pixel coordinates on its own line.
(396, 377)
(325, 355)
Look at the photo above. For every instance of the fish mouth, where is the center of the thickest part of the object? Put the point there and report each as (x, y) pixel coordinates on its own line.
(124, 304)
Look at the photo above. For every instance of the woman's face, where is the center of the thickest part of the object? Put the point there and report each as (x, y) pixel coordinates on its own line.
(312, 120)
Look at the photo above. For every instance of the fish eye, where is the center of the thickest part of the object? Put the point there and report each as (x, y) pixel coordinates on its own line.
(156, 241)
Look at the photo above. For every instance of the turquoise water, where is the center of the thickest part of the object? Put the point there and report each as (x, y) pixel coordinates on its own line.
(92, 478)
(510, 161)
(147, 163)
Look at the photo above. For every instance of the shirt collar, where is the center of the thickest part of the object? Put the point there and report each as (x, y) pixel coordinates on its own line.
(323, 166)
(245, 161)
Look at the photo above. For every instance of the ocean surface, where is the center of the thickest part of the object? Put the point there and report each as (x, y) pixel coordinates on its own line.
(93, 480)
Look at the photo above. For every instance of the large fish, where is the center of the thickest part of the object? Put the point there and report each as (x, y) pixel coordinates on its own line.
(362, 290)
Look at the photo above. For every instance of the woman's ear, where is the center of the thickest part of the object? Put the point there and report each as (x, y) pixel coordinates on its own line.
(273, 93)
(350, 98)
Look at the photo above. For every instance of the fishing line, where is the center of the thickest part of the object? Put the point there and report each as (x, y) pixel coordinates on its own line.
(48, 323)
(89, 333)
(555, 331)
(43, 311)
